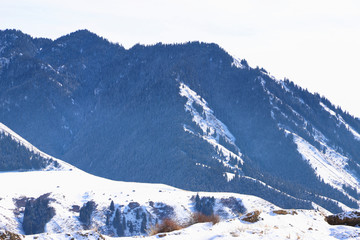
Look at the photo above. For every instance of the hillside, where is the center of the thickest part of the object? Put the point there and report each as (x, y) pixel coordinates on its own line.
(187, 115)
(69, 190)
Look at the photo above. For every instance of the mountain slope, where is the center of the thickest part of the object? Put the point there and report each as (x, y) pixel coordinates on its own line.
(188, 115)
(125, 210)
(18, 154)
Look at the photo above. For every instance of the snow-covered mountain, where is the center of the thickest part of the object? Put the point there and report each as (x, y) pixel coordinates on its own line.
(66, 192)
(187, 115)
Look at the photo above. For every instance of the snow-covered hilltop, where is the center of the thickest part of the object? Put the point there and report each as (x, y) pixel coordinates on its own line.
(68, 191)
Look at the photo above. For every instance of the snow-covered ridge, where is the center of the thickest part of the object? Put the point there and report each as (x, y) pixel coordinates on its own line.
(212, 128)
(210, 122)
(8, 132)
(237, 63)
(341, 121)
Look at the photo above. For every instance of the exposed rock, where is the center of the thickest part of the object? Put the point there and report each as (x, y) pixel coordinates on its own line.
(345, 218)
(251, 216)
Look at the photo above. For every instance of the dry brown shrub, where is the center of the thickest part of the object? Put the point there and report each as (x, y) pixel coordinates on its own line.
(201, 218)
(6, 235)
(280, 212)
(167, 225)
(285, 212)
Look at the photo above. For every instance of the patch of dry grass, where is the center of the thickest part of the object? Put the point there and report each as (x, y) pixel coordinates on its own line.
(285, 212)
(201, 218)
(169, 225)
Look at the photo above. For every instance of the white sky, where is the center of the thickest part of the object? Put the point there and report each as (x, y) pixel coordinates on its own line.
(315, 43)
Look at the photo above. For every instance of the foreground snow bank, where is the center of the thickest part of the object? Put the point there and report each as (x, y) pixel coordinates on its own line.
(70, 188)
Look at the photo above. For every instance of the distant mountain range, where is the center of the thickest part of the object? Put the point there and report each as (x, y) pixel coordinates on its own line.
(188, 115)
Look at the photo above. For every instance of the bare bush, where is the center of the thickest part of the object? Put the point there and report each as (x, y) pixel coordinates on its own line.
(201, 218)
(285, 212)
(167, 225)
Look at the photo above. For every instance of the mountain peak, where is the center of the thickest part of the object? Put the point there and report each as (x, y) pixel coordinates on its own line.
(169, 112)
(82, 38)
(83, 33)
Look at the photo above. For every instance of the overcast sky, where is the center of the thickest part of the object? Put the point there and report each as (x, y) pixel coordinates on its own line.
(315, 43)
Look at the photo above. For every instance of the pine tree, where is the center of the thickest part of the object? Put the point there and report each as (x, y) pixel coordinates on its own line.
(197, 203)
(107, 219)
(116, 221)
(86, 211)
(118, 225)
(137, 213)
(131, 227)
(112, 206)
(124, 222)
(143, 223)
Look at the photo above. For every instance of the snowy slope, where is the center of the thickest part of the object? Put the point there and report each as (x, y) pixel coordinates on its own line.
(70, 188)
(341, 120)
(302, 225)
(330, 166)
(75, 187)
(328, 163)
(212, 129)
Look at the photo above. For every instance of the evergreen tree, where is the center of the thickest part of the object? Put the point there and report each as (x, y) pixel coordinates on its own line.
(131, 227)
(37, 214)
(112, 206)
(116, 221)
(86, 212)
(197, 202)
(205, 205)
(143, 223)
(124, 222)
(118, 224)
(107, 219)
(137, 213)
